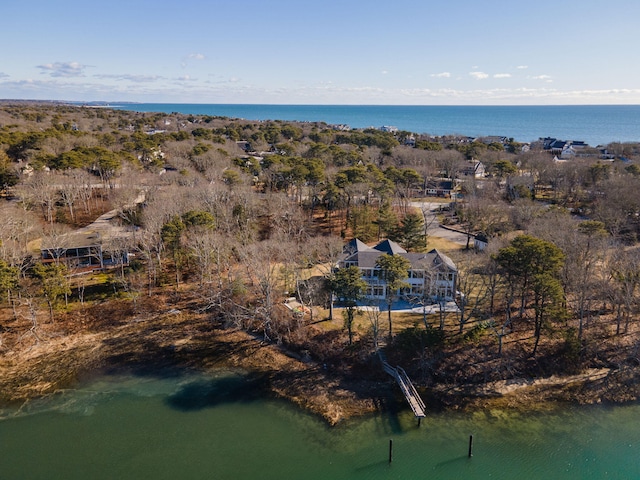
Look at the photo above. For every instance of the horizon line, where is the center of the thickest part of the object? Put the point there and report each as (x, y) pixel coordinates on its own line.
(135, 102)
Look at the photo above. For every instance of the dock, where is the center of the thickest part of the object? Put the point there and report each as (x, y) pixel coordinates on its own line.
(410, 393)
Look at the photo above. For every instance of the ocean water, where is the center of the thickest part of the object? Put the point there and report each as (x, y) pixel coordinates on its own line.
(193, 427)
(594, 124)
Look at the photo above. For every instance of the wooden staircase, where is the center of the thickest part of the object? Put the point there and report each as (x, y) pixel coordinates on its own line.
(410, 393)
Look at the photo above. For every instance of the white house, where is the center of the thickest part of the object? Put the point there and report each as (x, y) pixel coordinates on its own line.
(432, 275)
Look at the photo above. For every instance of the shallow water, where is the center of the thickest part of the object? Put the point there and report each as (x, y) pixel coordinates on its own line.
(216, 427)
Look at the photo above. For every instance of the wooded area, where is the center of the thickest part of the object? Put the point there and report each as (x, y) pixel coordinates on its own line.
(228, 218)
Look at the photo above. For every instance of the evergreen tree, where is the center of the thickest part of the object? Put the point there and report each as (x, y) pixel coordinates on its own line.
(347, 284)
(394, 270)
(54, 283)
(387, 221)
(411, 232)
(532, 266)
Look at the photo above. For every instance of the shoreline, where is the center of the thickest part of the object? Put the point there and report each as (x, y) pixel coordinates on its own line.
(189, 343)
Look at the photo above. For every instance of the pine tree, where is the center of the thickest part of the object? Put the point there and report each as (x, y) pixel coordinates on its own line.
(411, 232)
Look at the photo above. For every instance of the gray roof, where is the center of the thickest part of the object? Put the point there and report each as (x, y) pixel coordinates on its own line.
(389, 247)
(354, 246)
(366, 257)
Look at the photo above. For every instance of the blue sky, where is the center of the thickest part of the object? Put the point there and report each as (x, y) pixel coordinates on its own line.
(404, 52)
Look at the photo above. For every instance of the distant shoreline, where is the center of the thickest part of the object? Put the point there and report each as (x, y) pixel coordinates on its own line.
(597, 125)
(594, 124)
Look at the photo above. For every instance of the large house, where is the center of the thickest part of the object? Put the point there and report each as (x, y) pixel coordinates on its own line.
(432, 275)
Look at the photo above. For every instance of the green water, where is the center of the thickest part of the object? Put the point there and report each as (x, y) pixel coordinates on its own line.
(216, 428)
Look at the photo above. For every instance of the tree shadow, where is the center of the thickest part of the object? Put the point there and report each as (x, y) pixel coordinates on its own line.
(203, 394)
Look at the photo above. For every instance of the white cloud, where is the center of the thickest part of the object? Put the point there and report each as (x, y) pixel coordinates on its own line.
(130, 77)
(502, 75)
(228, 89)
(63, 69)
(219, 80)
(522, 67)
(384, 72)
(506, 96)
(192, 56)
(479, 75)
(3, 75)
(546, 78)
(441, 75)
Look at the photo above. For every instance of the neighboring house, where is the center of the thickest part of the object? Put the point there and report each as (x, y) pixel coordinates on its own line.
(475, 169)
(568, 152)
(410, 141)
(546, 142)
(557, 146)
(480, 241)
(563, 148)
(439, 188)
(244, 145)
(493, 139)
(432, 275)
(82, 252)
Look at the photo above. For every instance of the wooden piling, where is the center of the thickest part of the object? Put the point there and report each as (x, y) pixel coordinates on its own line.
(390, 451)
(470, 446)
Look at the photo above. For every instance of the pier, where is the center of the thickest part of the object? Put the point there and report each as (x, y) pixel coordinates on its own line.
(410, 393)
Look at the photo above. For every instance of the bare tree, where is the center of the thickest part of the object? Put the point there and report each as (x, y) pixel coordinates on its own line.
(472, 291)
(19, 227)
(325, 252)
(618, 207)
(374, 316)
(262, 262)
(70, 185)
(39, 192)
(449, 162)
(56, 241)
(625, 276)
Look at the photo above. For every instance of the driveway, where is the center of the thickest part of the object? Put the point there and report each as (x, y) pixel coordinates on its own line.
(434, 229)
